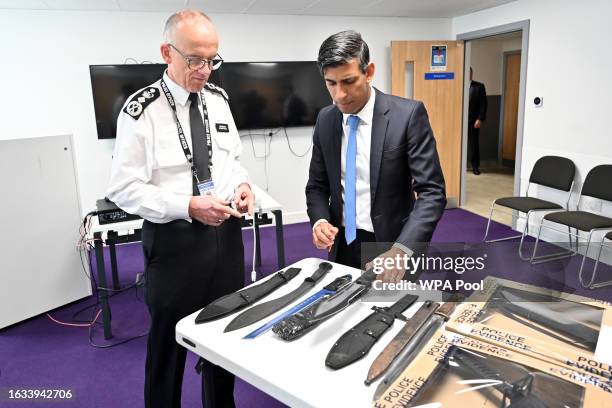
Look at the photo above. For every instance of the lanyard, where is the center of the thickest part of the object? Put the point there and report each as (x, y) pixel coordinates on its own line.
(181, 134)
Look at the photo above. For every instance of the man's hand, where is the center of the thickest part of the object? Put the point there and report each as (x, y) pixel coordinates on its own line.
(244, 199)
(394, 274)
(477, 124)
(211, 210)
(323, 235)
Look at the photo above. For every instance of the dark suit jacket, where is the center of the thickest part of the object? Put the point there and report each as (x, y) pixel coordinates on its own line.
(403, 160)
(478, 102)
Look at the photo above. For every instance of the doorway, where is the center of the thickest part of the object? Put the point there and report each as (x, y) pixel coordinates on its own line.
(491, 155)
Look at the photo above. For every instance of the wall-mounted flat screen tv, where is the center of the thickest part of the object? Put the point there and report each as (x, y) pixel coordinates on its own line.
(274, 94)
(261, 95)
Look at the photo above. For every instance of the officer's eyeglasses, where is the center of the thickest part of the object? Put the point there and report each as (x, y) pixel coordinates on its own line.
(196, 63)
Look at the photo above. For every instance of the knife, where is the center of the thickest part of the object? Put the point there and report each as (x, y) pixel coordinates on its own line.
(401, 339)
(263, 310)
(414, 346)
(324, 293)
(233, 302)
(345, 298)
(357, 342)
(549, 321)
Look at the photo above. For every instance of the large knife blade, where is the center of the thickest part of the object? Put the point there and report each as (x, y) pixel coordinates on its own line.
(550, 322)
(327, 291)
(345, 298)
(265, 309)
(236, 301)
(413, 348)
(401, 339)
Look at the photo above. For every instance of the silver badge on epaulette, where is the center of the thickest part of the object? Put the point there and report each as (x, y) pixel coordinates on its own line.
(134, 108)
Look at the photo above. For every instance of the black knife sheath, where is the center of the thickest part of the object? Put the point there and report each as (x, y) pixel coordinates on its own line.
(265, 309)
(357, 342)
(236, 301)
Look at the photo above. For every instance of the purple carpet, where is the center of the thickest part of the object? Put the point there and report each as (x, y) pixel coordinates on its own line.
(38, 353)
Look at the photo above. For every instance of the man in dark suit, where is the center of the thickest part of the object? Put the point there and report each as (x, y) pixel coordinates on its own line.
(477, 113)
(371, 153)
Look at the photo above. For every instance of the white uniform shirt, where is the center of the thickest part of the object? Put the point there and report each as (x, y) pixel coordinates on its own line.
(150, 175)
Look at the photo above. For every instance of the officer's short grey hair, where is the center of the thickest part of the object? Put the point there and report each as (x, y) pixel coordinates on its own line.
(173, 20)
(341, 48)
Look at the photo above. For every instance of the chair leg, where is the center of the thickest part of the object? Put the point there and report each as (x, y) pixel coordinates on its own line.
(525, 230)
(489, 222)
(584, 257)
(535, 246)
(592, 284)
(534, 260)
(484, 239)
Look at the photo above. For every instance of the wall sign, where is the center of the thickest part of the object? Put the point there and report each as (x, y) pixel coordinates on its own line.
(439, 75)
(438, 58)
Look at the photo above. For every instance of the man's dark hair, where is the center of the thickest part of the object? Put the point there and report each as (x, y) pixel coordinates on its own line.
(341, 48)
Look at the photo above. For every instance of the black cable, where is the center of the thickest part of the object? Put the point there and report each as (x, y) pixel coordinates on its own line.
(267, 143)
(291, 148)
(103, 346)
(85, 246)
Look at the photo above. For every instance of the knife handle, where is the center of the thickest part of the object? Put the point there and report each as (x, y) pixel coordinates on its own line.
(324, 268)
(289, 274)
(338, 283)
(447, 308)
(367, 277)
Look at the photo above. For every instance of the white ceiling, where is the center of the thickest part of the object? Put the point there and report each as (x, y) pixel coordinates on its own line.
(366, 8)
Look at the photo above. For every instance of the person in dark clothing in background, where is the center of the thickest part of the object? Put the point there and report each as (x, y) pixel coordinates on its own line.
(477, 113)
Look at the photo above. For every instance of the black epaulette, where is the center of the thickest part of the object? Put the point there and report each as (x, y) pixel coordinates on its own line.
(140, 101)
(217, 89)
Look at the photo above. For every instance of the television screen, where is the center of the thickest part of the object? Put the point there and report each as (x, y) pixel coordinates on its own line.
(262, 95)
(274, 94)
(112, 85)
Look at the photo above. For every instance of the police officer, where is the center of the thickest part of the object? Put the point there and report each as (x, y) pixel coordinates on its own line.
(176, 165)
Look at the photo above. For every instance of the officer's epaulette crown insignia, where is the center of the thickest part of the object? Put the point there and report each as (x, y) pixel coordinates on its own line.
(140, 101)
(214, 88)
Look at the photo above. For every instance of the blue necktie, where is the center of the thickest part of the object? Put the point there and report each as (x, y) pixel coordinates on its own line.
(350, 182)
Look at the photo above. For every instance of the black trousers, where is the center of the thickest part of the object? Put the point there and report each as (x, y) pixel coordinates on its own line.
(350, 255)
(474, 145)
(187, 265)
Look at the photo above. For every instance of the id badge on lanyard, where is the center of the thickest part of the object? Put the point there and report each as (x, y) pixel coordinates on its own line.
(206, 187)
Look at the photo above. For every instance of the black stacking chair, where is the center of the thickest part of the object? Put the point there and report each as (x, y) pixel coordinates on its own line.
(592, 283)
(550, 171)
(597, 184)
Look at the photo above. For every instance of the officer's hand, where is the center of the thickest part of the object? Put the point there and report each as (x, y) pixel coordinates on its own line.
(244, 199)
(396, 272)
(477, 124)
(323, 235)
(210, 210)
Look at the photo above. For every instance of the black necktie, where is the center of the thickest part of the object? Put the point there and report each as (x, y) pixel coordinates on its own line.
(198, 142)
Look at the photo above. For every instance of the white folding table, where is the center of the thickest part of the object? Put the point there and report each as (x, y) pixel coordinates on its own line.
(293, 372)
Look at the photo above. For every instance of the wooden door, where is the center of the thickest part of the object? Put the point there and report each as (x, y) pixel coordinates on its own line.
(441, 90)
(512, 74)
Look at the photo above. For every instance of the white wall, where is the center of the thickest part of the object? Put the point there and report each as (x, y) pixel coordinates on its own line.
(47, 91)
(486, 64)
(567, 65)
(486, 60)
